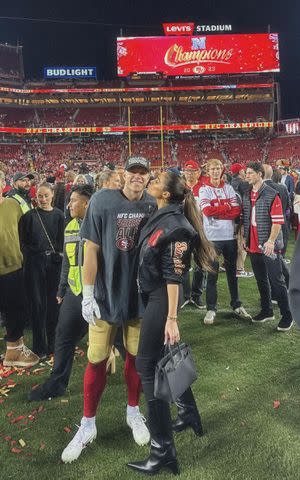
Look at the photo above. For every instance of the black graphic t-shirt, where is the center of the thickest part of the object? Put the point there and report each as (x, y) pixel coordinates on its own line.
(113, 222)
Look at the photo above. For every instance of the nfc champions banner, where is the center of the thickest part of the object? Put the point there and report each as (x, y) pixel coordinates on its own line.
(70, 72)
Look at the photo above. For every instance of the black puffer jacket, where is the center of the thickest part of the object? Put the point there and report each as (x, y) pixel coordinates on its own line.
(166, 244)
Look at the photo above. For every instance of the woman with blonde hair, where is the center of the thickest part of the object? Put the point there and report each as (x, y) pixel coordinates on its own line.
(41, 239)
(108, 179)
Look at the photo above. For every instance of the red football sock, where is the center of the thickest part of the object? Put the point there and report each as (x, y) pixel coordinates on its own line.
(93, 385)
(132, 380)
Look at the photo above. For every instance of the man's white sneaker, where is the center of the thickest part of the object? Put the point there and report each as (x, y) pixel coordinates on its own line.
(137, 422)
(85, 435)
(209, 317)
(242, 313)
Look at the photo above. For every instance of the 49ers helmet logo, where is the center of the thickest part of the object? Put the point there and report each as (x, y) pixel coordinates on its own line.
(125, 244)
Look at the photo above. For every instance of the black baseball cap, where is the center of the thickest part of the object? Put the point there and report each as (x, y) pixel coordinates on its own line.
(137, 162)
(20, 176)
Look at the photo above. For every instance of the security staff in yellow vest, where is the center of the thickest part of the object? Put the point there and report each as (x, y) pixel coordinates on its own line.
(71, 326)
(20, 192)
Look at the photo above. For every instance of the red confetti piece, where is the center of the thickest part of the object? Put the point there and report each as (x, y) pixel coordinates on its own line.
(11, 382)
(9, 414)
(8, 439)
(16, 450)
(2, 400)
(13, 442)
(17, 419)
(4, 373)
(68, 429)
(276, 404)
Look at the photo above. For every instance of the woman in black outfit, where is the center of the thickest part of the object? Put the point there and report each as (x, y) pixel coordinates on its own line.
(42, 233)
(167, 241)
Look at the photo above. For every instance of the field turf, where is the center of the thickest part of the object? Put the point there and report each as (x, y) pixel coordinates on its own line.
(248, 393)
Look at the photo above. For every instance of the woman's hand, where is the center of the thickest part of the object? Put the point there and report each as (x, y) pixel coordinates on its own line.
(171, 332)
(59, 300)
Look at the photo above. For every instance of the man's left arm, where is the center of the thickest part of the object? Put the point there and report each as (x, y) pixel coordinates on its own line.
(277, 220)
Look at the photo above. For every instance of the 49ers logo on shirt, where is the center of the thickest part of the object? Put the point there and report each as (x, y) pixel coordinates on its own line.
(180, 248)
(128, 225)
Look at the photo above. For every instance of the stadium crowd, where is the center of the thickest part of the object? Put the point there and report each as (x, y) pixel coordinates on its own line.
(71, 241)
(47, 157)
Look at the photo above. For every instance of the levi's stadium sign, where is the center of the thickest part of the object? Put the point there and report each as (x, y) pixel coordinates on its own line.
(70, 72)
(199, 55)
(189, 28)
(179, 28)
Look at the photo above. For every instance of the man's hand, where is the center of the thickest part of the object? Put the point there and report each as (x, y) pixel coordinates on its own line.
(268, 248)
(90, 308)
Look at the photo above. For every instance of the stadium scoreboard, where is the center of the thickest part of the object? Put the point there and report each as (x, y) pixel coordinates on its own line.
(199, 55)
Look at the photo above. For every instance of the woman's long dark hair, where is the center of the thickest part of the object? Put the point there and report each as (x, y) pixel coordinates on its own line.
(204, 252)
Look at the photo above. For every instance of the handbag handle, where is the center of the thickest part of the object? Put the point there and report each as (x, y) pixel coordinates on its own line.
(172, 350)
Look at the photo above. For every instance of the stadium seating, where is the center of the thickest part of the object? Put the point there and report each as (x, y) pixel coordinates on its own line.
(48, 157)
(92, 117)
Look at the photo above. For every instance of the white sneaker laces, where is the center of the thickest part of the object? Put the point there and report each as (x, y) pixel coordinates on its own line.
(137, 420)
(26, 351)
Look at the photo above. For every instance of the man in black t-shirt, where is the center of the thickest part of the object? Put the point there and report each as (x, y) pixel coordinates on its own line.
(111, 227)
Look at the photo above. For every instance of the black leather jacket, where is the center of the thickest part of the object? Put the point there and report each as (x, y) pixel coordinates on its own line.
(166, 243)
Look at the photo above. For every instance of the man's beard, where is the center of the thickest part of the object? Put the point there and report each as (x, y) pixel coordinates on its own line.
(23, 191)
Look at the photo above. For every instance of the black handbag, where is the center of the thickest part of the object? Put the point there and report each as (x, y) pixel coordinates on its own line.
(174, 373)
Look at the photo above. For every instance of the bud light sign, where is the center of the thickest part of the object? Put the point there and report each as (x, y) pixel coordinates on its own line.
(70, 72)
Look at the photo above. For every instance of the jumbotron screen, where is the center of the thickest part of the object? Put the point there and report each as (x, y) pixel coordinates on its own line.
(200, 55)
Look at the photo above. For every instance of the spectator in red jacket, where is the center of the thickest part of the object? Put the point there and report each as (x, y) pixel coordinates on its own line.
(220, 208)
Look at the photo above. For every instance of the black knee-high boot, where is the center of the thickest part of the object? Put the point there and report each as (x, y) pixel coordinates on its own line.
(188, 415)
(162, 449)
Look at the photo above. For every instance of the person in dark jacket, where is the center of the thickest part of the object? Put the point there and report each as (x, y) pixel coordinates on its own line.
(42, 238)
(241, 187)
(294, 288)
(166, 244)
(20, 192)
(287, 180)
(238, 179)
(275, 182)
(273, 179)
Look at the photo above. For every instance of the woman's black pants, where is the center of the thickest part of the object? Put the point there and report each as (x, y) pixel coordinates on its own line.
(42, 279)
(152, 338)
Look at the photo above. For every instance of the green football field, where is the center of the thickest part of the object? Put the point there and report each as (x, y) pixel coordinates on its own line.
(248, 393)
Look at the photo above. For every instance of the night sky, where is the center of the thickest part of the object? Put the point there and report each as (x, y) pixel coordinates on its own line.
(72, 44)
